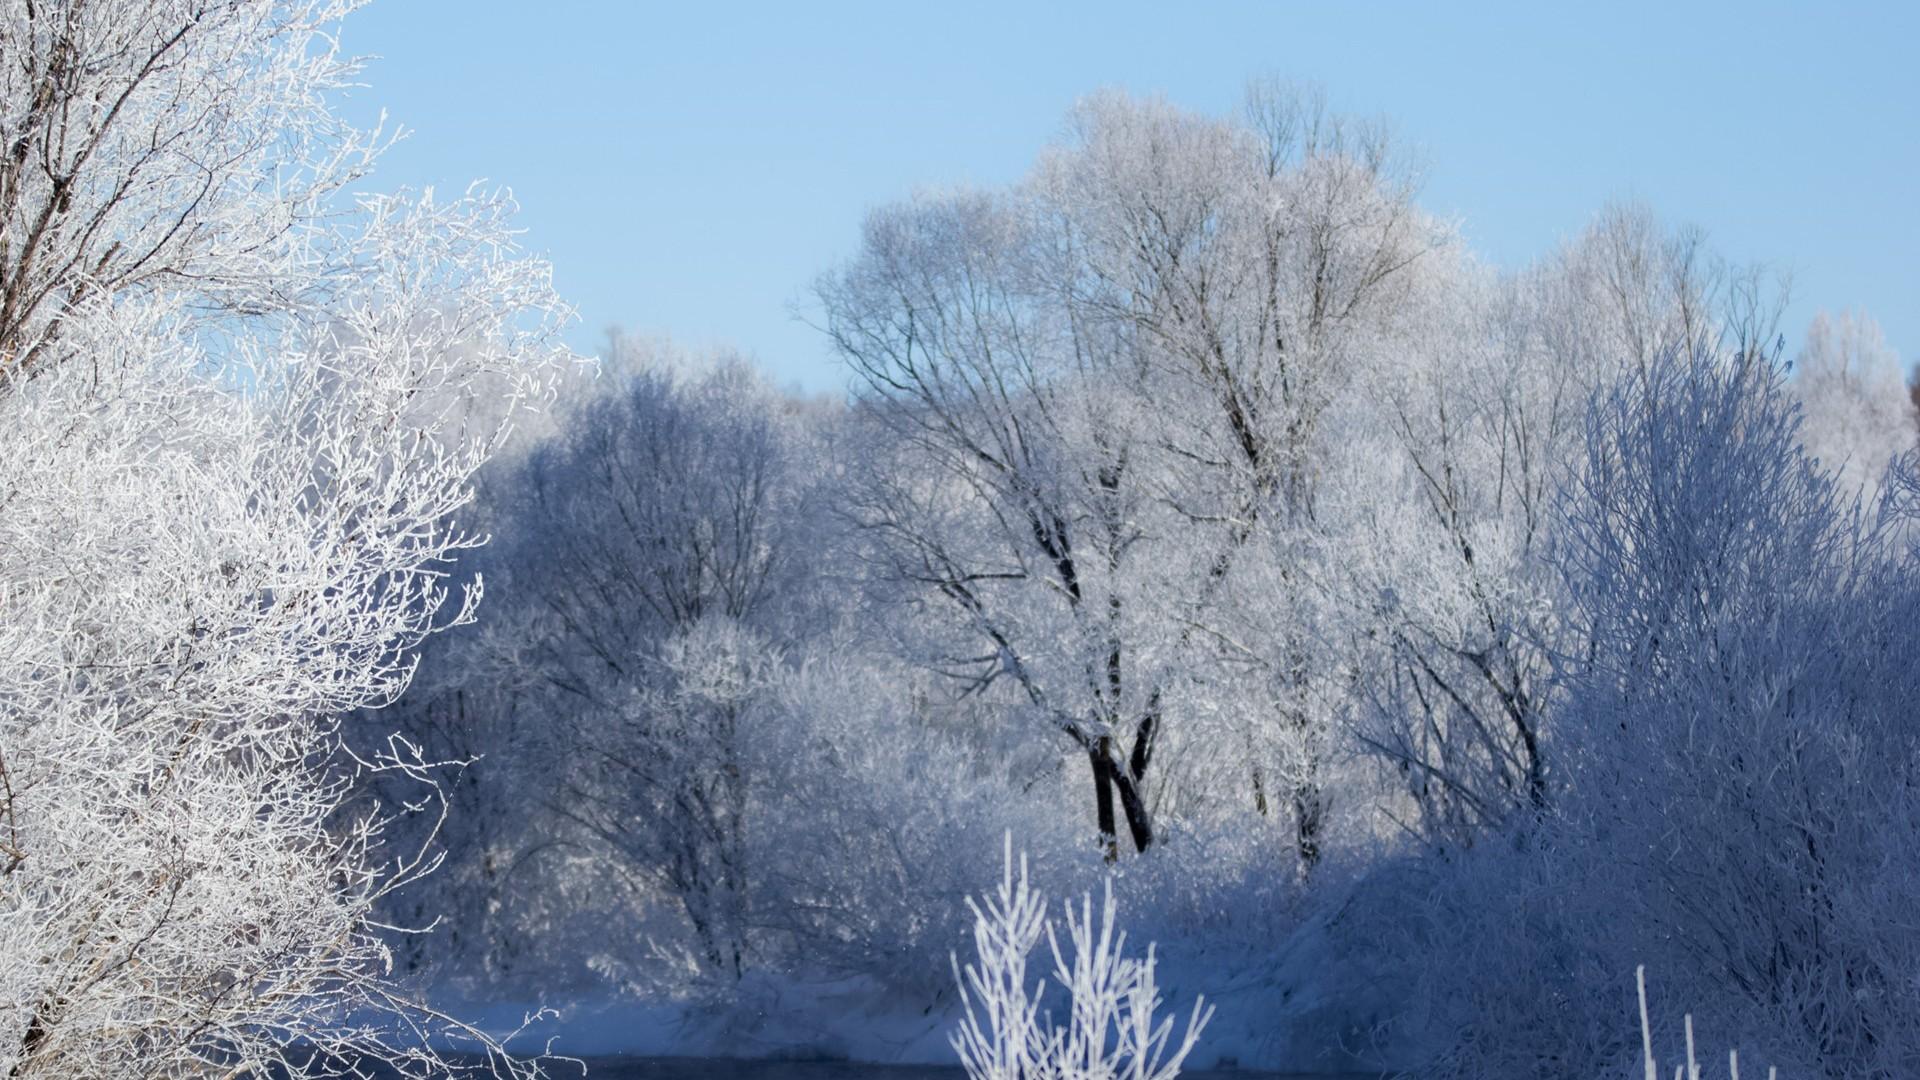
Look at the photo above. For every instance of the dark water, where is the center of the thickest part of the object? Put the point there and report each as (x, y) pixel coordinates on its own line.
(661, 1068)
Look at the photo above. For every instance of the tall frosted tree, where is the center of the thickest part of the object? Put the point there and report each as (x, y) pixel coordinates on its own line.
(237, 451)
(1108, 387)
(1467, 438)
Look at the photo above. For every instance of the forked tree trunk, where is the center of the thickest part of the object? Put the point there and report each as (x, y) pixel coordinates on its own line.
(1109, 777)
(1139, 818)
(1102, 766)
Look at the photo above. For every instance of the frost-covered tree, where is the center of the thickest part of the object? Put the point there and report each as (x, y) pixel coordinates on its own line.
(1442, 507)
(1003, 485)
(201, 577)
(183, 147)
(1256, 267)
(234, 472)
(1856, 410)
(1736, 763)
(1462, 448)
(647, 564)
(1105, 389)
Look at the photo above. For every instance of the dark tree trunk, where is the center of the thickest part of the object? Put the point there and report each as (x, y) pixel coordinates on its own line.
(1101, 762)
(1109, 777)
(31, 1042)
(1139, 819)
(1307, 820)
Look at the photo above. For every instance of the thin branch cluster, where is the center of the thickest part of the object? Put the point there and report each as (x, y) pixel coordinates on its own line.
(1109, 1029)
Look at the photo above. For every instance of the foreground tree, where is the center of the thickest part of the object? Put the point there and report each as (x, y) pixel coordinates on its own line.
(164, 146)
(235, 457)
(1110, 1030)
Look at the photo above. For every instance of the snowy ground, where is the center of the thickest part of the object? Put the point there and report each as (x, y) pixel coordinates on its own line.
(1267, 1023)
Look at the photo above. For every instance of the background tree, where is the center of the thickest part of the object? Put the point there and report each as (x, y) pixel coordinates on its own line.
(1857, 412)
(1121, 368)
(1483, 422)
(1007, 495)
(1251, 264)
(667, 546)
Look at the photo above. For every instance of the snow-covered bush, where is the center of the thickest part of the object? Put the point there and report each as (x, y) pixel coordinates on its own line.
(1740, 727)
(1691, 1069)
(1110, 1030)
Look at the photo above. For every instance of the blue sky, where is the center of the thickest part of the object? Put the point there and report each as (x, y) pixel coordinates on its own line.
(690, 168)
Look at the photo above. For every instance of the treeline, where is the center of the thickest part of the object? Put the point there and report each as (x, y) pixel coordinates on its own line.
(1204, 511)
(1420, 646)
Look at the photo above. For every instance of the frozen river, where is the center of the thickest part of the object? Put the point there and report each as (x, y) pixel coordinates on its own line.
(640, 1068)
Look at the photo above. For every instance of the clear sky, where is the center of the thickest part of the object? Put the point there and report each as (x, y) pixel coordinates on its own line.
(690, 168)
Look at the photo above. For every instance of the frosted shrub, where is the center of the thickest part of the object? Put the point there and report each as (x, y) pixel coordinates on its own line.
(1691, 1070)
(1737, 783)
(1110, 1030)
